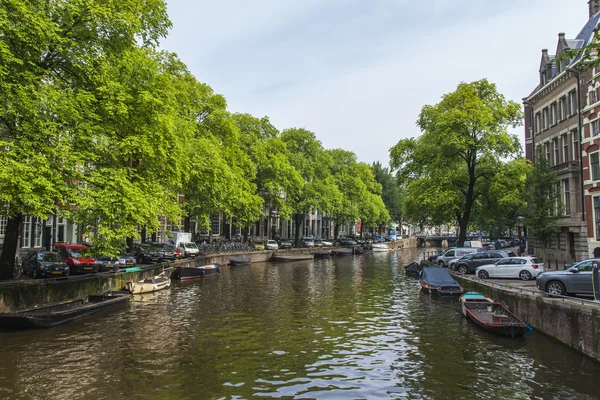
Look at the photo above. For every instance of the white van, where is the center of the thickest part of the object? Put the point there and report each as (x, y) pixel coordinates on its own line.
(473, 243)
(444, 259)
(188, 249)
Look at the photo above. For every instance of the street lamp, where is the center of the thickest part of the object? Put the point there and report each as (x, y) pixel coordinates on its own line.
(519, 233)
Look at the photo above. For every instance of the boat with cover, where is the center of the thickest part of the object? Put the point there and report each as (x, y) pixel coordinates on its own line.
(185, 273)
(52, 314)
(240, 260)
(152, 284)
(438, 281)
(380, 247)
(341, 251)
(414, 268)
(322, 253)
(290, 257)
(491, 315)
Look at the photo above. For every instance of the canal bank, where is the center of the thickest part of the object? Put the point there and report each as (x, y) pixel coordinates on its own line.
(573, 322)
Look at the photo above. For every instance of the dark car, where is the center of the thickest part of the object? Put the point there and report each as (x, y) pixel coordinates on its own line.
(108, 263)
(347, 242)
(168, 252)
(44, 264)
(285, 244)
(577, 279)
(76, 257)
(146, 254)
(469, 263)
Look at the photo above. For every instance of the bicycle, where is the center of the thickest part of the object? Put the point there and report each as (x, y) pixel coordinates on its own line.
(17, 271)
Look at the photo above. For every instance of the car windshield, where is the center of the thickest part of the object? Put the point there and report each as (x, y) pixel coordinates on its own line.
(77, 253)
(49, 257)
(467, 257)
(191, 245)
(537, 261)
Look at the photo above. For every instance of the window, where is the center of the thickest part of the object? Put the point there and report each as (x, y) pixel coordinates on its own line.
(562, 106)
(546, 122)
(554, 113)
(556, 152)
(215, 224)
(567, 196)
(575, 136)
(597, 216)
(573, 102)
(565, 143)
(538, 122)
(26, 235)
(595, 165)
(547, 148)
(592, 97)
(3, 221)
(595, 129)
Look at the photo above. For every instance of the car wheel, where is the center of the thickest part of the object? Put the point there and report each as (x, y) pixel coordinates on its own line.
(463, 269)
(34, 273)
(556, 287)
(441, 263)
(525, 275)
(483, 274)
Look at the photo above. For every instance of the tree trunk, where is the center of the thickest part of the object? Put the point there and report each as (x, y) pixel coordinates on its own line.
(129, 244)
(143, 235)
(245, 233)
(336, 230)
(187, 224)
(298, 219)
(9, 248)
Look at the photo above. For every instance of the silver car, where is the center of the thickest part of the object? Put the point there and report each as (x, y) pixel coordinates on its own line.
(577, 279)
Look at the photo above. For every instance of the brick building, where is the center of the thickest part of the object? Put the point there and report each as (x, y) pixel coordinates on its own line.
(555, 120)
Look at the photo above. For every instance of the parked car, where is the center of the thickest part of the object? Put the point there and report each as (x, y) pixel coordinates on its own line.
(324, 243)
(347, 242)
(146, 254)
(258, 246)
(576, 279)
(74, 255)
(524, 268)
(188, 249)
(433, 258)
(285, 244)
(444, 260)
(44, 264)
(469, 263)
(168, 252)
(108, 263)
(271, 245)
(307, 242)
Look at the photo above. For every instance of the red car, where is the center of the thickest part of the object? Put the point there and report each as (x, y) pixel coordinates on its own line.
(75, 257)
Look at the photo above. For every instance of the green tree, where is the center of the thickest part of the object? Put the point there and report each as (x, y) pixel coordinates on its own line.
(463, 137)
(50, 53)
(391, 191)
(543, 199)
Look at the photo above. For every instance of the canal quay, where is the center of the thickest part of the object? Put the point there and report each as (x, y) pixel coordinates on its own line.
(341, 328)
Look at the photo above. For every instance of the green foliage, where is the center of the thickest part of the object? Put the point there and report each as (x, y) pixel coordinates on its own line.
(453, 163)
(392, 192)
(543, 200)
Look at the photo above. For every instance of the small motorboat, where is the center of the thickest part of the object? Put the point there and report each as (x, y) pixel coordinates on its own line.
(438, 281)
(342, 251)
(380, 247)
(240, 260)
(184, 273)
(322, 253)
(491, 315)
(153, 284)
(414, 268)
(52, 314)
(290, 258)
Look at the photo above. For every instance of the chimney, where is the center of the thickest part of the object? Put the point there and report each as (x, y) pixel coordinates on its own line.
(594, 7)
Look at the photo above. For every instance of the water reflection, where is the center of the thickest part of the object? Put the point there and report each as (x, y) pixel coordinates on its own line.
(352, 327)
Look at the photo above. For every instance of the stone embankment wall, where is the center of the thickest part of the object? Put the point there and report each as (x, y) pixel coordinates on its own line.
(574, 323)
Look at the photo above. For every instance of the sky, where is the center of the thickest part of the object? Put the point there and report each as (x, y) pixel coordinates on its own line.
(358, 72)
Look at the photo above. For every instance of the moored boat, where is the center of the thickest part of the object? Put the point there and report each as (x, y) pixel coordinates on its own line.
(240, 260)
(184, 273)
(414, 268)
(148, 285)
(290, 257)
(322, 253)
(52, 314)
(341, 251)
(491, 315)
(380, 247)
(439, 281)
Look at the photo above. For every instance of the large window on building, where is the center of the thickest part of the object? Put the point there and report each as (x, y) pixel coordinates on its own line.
(554, 113)
(556, 152)
(595, 165)
(575, 138)
(3, 221)
(565, 152)
(538, 122)
(547, 150)
(566, 196)
(546, 121)
(573, 102)
(562, 108)
(595, 128)
(597, 216)
(26, 235)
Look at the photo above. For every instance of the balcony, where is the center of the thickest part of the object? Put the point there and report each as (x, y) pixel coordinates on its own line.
(567, 167)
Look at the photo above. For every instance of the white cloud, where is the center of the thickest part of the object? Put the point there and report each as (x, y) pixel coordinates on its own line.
(358, 72)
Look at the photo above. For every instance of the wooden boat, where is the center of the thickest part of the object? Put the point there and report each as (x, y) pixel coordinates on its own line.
(52, 314)
(491, 315)
(240, 260)
(341, 251)
(184, 273)
(289, 257)
(439, 281)
(380, 247)
(414, 268)
(148, 285)
(322, 253)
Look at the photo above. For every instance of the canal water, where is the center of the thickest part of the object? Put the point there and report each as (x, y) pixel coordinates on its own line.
(353, 327)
